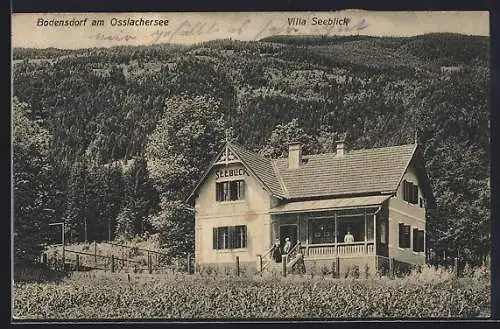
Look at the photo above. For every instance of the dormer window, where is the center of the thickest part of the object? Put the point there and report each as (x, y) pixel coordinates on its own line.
(410, 192)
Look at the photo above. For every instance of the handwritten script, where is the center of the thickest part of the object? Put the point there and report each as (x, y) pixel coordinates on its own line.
(244, 30)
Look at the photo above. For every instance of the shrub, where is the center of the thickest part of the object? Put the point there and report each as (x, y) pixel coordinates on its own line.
(179, 296)
(324, 270)
(367, 271)
(431, 274)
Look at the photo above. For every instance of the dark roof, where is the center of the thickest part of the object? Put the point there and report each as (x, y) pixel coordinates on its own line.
(366, 171)
(261, 167)
(357, 172)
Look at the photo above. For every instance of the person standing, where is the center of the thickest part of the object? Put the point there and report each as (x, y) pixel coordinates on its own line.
(348, 238)
(277, 251)
(287, 246)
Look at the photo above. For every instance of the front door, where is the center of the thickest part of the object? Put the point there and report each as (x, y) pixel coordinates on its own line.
(288, 231)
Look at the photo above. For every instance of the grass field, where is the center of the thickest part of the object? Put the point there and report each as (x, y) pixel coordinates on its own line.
(430, 293)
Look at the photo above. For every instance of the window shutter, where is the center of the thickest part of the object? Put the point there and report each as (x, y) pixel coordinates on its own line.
(214, 238)
(404, 236)
(241, 190)
(233, 191)
(405, 190)
(407, 233)
(421, 240)
(416, 246)
(244, 236)
(218, 191)
(401, 236)
(415, 194)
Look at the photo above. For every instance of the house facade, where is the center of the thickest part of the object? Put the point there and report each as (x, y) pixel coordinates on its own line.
(363, 208)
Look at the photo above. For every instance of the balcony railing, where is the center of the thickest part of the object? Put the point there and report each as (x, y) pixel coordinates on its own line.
(338, 249)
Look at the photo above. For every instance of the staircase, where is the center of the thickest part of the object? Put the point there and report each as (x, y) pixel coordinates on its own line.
(273, 267)
(295, 263)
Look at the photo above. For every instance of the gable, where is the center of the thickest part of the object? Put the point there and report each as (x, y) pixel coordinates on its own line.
(258, 167)
(415, 173)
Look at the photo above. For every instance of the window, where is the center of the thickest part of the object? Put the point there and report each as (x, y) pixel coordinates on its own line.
(369, 229)
(323, 230)
(404, 236)
(410, 192)
(230, 237)
(355, 225)
(383, 231)
(230, 190)
(418, 240)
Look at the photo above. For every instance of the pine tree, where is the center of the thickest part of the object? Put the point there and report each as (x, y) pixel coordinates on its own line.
(33, 189)
(139, 199)
(76, 204)
(112, 199)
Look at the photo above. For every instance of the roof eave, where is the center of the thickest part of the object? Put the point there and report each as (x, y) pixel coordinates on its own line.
(266, 187)
(202, 179)
(426, 182)
(212, 163)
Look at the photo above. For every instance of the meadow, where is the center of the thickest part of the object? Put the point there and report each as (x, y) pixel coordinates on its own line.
(427, 293)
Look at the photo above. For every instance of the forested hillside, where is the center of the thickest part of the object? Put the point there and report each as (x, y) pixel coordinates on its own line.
(112, 140)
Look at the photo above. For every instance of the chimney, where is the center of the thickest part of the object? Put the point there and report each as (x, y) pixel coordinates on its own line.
(294, 155)
(342, 147)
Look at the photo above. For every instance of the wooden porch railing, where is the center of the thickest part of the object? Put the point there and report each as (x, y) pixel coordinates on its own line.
(292, 254)
(338, 249)
(266, 258)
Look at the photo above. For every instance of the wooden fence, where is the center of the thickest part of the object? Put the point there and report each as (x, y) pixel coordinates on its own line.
(119, 258)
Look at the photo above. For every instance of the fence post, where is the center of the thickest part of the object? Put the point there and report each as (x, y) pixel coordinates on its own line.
(95, 254)
(112, 263)
(455, 265)
(260, 263)
(391, 267)
(337, 265)
(188, 263)
(150, 269)
(77, 262)
(237, 265)
(284, 261)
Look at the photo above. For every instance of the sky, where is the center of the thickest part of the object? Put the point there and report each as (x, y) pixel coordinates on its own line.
(28, 29)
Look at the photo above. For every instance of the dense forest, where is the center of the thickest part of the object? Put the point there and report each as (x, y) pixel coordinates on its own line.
(111, 141)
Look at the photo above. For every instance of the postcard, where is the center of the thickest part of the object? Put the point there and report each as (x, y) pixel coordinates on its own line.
(251, 166)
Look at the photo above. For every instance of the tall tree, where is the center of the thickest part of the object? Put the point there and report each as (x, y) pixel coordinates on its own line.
(283, 134)
(180, 148)
(139, 199)
(112, 198)
(453, 115)
(184, 142)
(33, 186)
(174, 224)
(76, 204)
